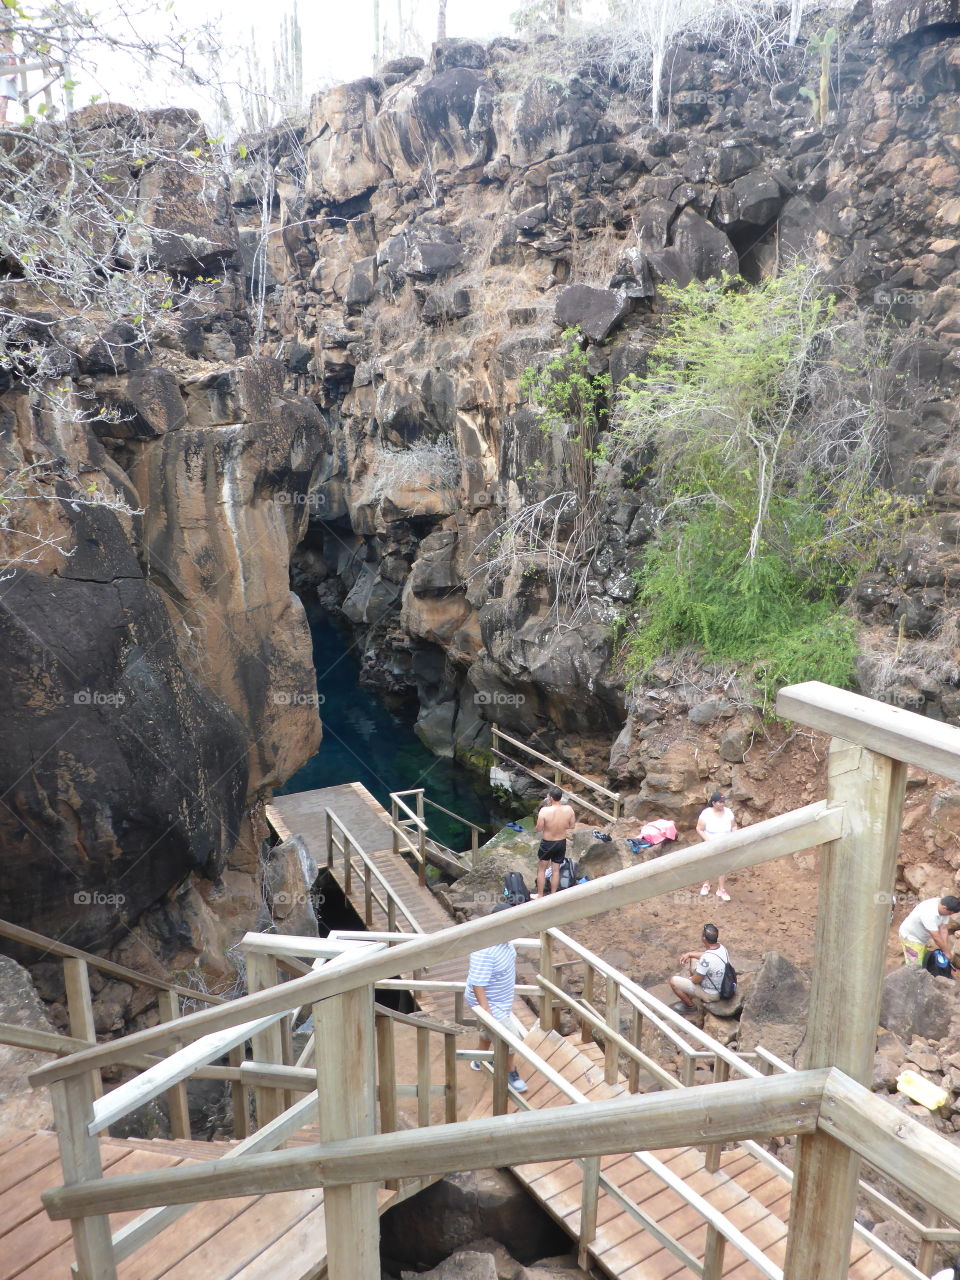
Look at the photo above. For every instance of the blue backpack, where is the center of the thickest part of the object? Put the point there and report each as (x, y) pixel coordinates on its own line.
(938, 964)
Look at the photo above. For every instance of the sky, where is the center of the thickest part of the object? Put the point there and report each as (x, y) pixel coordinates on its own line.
(337, 40)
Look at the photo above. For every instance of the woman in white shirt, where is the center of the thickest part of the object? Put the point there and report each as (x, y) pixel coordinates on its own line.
(716, 820)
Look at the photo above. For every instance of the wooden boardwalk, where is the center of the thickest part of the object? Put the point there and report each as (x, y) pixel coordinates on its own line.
(303, 814)
(754, 1198)
(269, 1237)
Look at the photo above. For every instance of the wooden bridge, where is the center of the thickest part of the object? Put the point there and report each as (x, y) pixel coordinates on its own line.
(378, 1123)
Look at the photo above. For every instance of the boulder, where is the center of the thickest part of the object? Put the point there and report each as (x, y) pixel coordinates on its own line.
(427, 1228)
(895, 19)
(465, 1264)
(704, 248)
(914, 1003)
(887, 1061)
(595, 312)
(20, 1006)
(775, 1010)
(288, 877)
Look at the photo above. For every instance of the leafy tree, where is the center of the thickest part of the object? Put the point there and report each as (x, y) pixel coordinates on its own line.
(764, 411)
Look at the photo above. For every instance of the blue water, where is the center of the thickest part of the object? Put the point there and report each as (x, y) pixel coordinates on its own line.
(366, 741)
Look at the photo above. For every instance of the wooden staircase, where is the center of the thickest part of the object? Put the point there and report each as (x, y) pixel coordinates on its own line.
(754, 1198)
(270, 1237)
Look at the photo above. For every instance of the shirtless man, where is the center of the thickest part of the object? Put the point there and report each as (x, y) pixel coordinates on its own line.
(554, 823)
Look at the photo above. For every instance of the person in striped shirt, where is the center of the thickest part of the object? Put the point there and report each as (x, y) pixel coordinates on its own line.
(491, 979)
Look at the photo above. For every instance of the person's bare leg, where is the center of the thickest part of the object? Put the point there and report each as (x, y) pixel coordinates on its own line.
(541, 874)
(721, 886)
(555, 878)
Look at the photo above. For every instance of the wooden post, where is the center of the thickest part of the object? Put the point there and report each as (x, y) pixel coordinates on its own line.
(636, 1039)
(422, 852)
(368, 895)
(387, 1081)
(711, 1156)
(391, 913)
(268, 1044)
(76, 979)
(346, 1105)
(611, 1053)
(499, 1076)
(713, 1253)
(423, 1077)
(458, 1002)
(586, 1031)
(857, 875)
(329, 839)
(928, 1248)
(546, 970)
(239, 1096)
(80, 1160)
(688, 1070)
(347, 864)
(450, 1077)
(616, 805)
(589, 1195)
(178, 1110)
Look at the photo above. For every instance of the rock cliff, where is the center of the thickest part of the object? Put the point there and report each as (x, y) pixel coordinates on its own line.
(158, 679)
(438, 225)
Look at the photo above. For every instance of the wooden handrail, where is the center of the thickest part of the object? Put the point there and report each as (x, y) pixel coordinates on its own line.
(333, 820)
(450, 814)
(764, 841)
(768, 1107)
(557, 766)
(547, 782)
(27, 938)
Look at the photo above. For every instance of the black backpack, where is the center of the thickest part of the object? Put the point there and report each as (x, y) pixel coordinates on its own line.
(728, 983)
(938, 964)
(515, 889)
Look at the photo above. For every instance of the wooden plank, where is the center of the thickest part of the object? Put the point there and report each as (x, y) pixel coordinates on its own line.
(857, 874)
(299, 1254)
(38, 1153)
(872, 1128)
(245, 1237)
(773, 1105)
(762, 842)
(889, 731)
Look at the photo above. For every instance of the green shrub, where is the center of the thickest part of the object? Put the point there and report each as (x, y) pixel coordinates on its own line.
(760, 409)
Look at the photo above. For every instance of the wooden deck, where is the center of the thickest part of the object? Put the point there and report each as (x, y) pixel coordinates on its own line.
(269, 1237)
(754, 1198)
(303, 814)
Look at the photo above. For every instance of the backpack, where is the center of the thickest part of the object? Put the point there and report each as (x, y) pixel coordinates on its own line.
(568, 873)
(515, 889)
(938, 964)
(728, 983)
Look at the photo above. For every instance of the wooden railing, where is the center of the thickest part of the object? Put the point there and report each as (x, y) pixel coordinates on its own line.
(836, 1119)
(76, 980)
(411, 832)
(561, 773)
(692, 1046)
(376, 890)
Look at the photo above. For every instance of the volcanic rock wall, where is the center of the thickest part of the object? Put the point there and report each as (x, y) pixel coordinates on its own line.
(437, 227)
(158, 679)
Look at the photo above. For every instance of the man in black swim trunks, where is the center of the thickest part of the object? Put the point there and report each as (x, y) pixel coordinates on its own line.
(554, 822)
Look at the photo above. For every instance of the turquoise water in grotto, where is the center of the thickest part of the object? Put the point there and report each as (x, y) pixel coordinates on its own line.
(367, 741)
